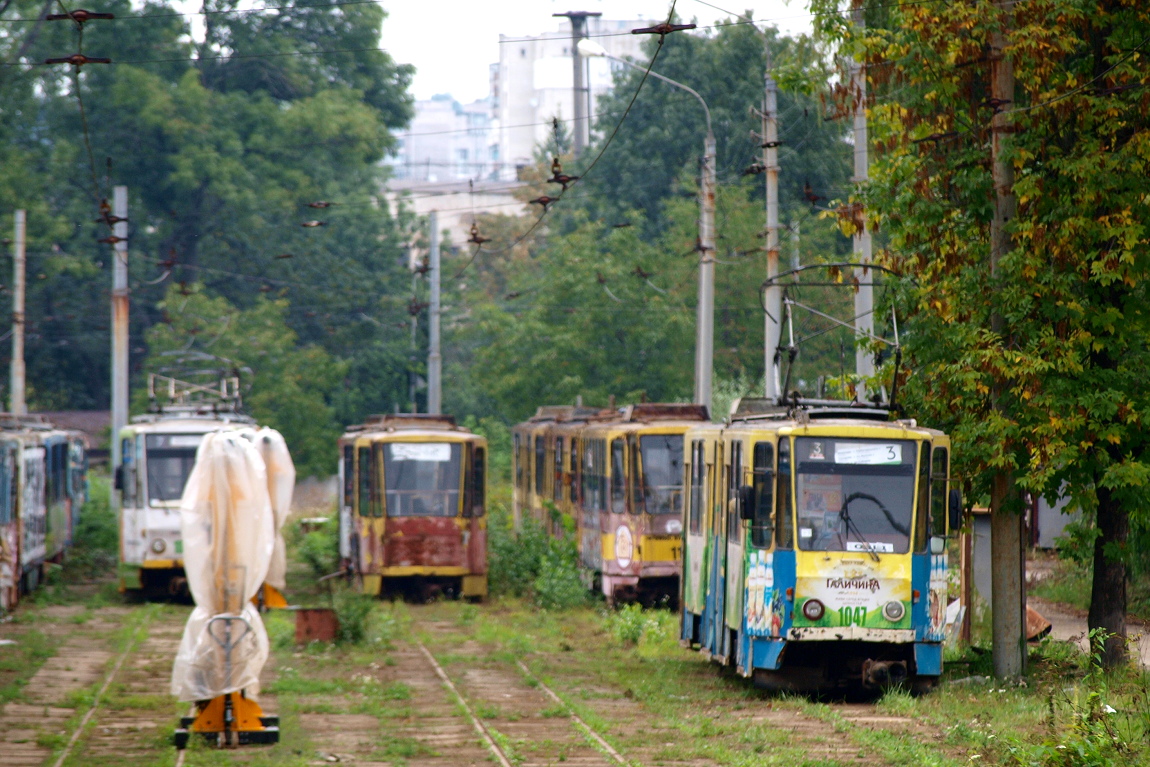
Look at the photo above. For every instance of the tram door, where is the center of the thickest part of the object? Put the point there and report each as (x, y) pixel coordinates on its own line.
(718, 544)
(733, 572)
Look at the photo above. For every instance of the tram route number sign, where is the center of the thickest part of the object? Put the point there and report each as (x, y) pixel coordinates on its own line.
(852, 616)
(868, 453)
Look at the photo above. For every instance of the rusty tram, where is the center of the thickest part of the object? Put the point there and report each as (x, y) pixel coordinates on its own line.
(43, 486)
(815, 537)
(618, 475)
(412, 515)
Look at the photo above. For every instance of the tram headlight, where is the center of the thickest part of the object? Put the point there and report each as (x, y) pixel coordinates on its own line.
(813, 609)
(893, 611)
(158, 546)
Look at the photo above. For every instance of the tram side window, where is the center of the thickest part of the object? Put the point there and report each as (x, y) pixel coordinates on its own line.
(763, 471)
(128, 471)
(7, 469)
(362, 470)
(479, 482)
(518, 463)
(348, 475)
(574, 484)
(618, 478)
(540, 463)
(921, 513)
(784, 522)
(635, 471)
(557, 489)
(376, 480)
(939, 500)
(698, 475)
(734, 481)
(594, 476)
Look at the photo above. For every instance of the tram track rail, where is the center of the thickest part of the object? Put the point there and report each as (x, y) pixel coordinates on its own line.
(491, 739)
(78, 731)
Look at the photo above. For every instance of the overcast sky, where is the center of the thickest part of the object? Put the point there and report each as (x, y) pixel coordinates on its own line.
(452, 42)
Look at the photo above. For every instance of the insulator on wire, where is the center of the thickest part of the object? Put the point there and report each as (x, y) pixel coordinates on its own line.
(313, 224)
(475, 236)
(79, 16)
(544, 200)
(662, 30)
(78, 60)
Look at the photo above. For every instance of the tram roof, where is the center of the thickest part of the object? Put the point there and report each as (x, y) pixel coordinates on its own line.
(414, 424)
(191, 417)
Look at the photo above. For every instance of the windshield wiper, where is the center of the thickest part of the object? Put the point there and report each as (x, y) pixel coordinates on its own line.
(852, 527)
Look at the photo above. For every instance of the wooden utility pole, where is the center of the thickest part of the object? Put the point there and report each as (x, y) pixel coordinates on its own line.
(1008, 563)
(16, 404)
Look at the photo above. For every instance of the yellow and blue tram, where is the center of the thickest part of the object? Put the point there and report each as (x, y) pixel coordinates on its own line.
(618, 473)
(815, 545)
(413, 506)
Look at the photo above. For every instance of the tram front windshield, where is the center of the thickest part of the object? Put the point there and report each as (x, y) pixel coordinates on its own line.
(662, 473)
(854, 495)
(169, 461)
(421, 479)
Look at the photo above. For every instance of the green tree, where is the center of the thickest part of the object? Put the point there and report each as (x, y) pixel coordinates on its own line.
(222, 144)
(286, 386)
(1066, 372)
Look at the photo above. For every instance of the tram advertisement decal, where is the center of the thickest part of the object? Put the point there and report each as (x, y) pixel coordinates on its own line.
(764, 603)
(32, 510)
(852, 595)
(936, 602)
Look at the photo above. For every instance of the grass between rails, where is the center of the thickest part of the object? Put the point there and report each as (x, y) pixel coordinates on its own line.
(651, 698)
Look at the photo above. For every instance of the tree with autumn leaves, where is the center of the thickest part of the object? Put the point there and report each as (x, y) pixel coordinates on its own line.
(1052, 397)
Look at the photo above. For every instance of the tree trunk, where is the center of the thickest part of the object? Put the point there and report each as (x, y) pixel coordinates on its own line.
(1108, 590)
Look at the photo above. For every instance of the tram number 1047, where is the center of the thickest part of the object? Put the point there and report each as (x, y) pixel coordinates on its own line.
(852, 616)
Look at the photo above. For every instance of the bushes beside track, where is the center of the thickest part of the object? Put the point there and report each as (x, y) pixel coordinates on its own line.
(533, 564)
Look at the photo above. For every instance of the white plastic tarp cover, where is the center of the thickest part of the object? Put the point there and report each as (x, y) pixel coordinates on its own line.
(229, 535)
(281, 484)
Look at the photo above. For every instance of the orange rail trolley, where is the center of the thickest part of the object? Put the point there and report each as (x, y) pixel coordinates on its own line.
(412, 511)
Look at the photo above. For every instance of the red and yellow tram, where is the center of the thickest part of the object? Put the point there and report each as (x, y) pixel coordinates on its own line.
(412, 511)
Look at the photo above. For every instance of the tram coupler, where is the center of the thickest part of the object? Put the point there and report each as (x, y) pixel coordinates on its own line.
(883, 673)
(227, 720)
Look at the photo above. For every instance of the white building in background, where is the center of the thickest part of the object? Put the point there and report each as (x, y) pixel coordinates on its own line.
(446, 141)
(533, 83)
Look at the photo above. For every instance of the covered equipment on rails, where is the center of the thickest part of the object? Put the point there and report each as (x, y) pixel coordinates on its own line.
(413, 506)
(228, 527)
(43, 486)
(619, 474)
(815, 545)
(157, 451)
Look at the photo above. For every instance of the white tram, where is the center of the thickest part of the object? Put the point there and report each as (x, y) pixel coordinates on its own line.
(157, 452)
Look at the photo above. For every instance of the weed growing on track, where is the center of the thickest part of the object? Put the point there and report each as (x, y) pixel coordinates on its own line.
(631, 624)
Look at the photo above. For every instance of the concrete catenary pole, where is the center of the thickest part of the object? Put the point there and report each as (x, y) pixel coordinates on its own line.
(16, 404)
(119, 319)
(434, 359)
(1008, 564)
(774, 297)
(864, 298)
(796, 259)
(705, 319)
(581, 91)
